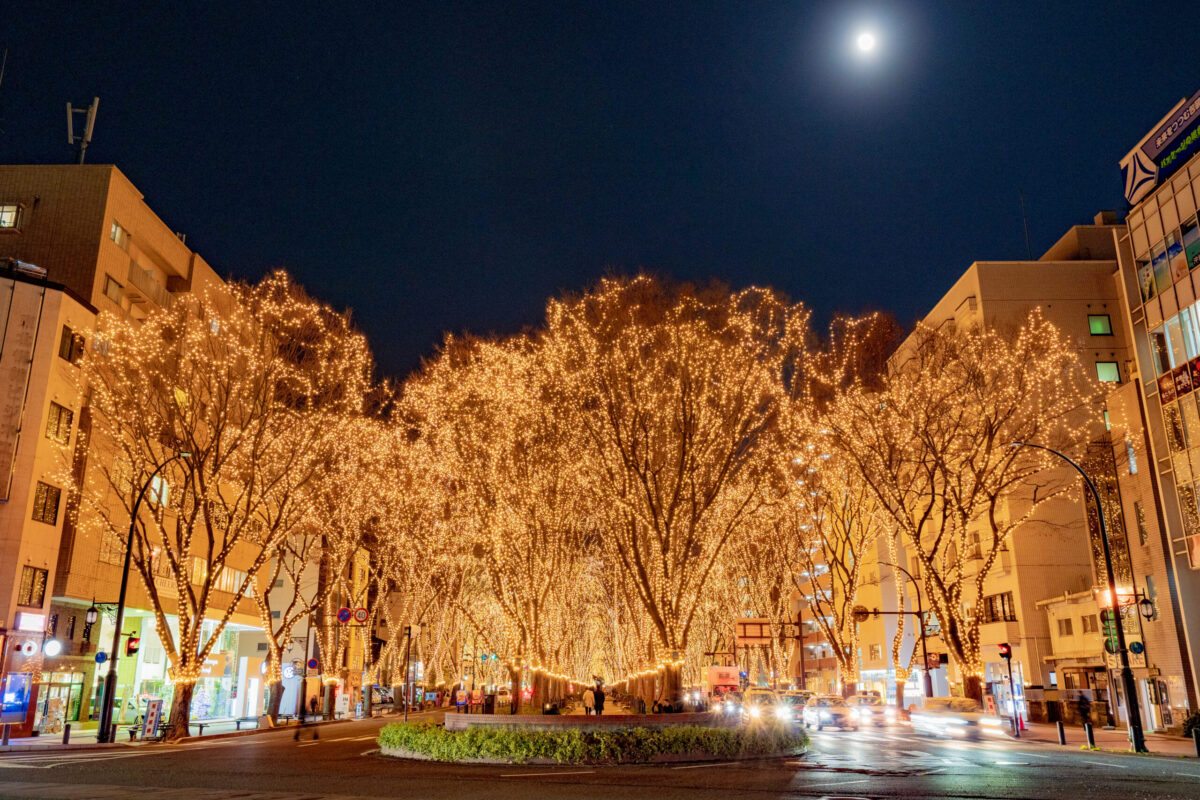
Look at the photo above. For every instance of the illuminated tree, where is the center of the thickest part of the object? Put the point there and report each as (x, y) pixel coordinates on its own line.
(232, 401)
(934, 446)
(680, 389)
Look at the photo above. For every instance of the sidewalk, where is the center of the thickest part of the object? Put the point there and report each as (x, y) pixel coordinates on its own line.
(86, 739)
(1117, 739)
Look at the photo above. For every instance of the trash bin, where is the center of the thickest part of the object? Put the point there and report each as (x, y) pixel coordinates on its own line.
(489, 704)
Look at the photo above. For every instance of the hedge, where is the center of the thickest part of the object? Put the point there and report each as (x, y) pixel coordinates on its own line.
(617, 746)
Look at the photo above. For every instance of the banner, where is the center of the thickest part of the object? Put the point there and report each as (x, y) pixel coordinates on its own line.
(1163, 150)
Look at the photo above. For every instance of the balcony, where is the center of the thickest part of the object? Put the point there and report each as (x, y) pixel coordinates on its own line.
(998, 631)
(142, 288)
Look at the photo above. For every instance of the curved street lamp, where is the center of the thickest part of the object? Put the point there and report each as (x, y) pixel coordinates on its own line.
(108, 731)
(1133, 713)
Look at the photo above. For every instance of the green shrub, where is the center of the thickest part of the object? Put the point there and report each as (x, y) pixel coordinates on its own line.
(617, 746)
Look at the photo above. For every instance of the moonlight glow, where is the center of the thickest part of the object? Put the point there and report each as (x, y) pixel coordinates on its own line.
(865, 42)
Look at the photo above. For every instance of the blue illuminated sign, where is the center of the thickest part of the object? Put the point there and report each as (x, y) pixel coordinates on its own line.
(1163, 150)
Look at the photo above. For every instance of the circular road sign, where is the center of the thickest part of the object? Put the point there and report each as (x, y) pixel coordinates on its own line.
(1137, 648)
(360, 615)
(343, 614)
(312, 663)
(101, 657)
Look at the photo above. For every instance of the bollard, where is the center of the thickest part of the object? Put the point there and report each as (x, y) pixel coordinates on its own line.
(1091, 734)
(4, 741)
(1062, 733)
(67, 733)
(1196, 739)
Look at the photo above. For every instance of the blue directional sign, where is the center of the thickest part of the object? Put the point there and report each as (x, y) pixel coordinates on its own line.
(1137, 648)
(101, 657)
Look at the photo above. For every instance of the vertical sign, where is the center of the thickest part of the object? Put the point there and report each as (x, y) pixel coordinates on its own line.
(153, 715)
(20, 315)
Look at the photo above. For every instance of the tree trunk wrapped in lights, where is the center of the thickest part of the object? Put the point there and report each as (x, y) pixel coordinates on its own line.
(934, 445)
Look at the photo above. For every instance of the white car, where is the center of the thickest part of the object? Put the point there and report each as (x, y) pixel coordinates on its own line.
(867, 709)
(957, 717)
(829, 711)
(759, 704)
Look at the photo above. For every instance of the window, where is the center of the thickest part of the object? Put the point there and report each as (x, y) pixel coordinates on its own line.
(119, 235)
(1139, 514)
(10, 215)
(45, 503)
(1108, 371)
(160, 491)
(876, 652)
(1131, 457)
(1107, 421)
(1159, 351)
(58, 424)
(999, 608)
(113, 290)
(1100, 325)
(1090, 624)
(1064, 628)
(70, 346)
(33, 587)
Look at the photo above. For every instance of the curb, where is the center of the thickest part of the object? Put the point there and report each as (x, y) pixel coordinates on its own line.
(50, 748)
(680, 758)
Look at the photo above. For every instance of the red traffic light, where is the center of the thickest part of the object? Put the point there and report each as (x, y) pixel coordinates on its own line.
(1006, 651)
(131, 646)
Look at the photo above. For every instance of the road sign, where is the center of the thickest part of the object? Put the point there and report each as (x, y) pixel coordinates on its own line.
(101, 657)
(1137, 648)
(312, 663)
(344, 614)
(360, 615)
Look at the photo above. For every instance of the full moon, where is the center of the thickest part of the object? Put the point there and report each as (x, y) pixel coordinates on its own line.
(865, 42)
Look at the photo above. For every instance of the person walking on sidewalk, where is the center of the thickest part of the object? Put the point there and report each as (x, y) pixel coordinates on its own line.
(304, 726)
(589, 701)
(599, 699)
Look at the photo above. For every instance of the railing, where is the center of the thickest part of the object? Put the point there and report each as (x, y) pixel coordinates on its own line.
(143, 286)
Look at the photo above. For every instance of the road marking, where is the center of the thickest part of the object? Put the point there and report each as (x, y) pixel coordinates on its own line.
(915, 753)
(1013, 763)
(1104, 763)
(834, 783)
(714, 764)
(541, 774)
(1037, 755)
(1188, 774)
(308, 744)
(364, 738)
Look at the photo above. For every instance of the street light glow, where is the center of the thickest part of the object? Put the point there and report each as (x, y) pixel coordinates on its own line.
(865, 41)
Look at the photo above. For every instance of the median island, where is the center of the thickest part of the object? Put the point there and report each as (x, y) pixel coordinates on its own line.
(582, 744)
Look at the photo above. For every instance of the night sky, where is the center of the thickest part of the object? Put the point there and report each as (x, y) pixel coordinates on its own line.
(447, 166)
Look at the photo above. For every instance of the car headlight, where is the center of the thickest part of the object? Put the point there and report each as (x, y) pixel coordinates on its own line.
(783, 712)
(730, 708)
(990, 721)
(754, 711)
(954, 721)
(890, 712)
(825, 715)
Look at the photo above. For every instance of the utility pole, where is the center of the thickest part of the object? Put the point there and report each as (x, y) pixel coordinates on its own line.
(407, 650)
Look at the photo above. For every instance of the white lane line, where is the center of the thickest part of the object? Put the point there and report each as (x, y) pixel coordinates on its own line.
(1037, 755)
(915, 753)
(1013, 763)
(364, 738)
(1104, 763)
(834, 783)
(1188, 774)
(542, 774)
(308, 744)
(714, 764)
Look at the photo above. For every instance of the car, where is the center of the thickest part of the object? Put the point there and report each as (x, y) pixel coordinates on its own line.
(760, 703)
(793, 701)
(730, 703)
(828, 711)
(871, 710)
(956, 717)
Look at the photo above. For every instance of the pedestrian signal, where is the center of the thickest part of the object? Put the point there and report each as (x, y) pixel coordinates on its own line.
(1006, 651)
(131, 646)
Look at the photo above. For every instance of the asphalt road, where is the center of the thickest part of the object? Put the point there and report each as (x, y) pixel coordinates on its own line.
(341, 765)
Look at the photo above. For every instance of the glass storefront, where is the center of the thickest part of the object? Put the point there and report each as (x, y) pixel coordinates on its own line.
(59, 699)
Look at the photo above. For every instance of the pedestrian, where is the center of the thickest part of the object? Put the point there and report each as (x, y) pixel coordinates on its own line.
(598, 699)
(304, 723)
(312, 705)
(589, 701)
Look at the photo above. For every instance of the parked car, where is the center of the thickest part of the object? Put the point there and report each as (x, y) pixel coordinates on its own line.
(869, 709)
(828, 711)
(958, 717)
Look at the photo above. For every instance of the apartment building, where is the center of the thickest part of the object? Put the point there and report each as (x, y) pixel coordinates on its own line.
(102, 249)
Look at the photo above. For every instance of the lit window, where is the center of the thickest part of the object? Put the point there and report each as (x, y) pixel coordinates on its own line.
(10, 214)
(1108, 371)
(160, 491)
(1131, 455)
(113, 290)
(1107, 421)
(119, 235)
(1099, 324)
(45, 503)
(70, 346)
(33, 587)
(58, 423)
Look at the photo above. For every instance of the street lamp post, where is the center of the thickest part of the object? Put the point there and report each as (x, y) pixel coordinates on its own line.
(107, 730)
(1137, 737)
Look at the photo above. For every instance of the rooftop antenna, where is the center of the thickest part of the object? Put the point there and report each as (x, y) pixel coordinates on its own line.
(84, 139)
(1024, 219)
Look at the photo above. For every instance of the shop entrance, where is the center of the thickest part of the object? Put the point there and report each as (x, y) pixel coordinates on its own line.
(59, 699)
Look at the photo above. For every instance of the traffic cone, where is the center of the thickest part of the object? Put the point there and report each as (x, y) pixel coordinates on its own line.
(1021, 720)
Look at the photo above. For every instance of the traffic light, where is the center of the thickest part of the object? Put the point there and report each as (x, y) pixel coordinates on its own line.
(1006, 651)
(132, 645)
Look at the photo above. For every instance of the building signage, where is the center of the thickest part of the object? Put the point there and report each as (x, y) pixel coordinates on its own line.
(216, 664)
(1183, 380)
(1163, 150)
(1166, 388)
(31, 623)
(14, 697)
